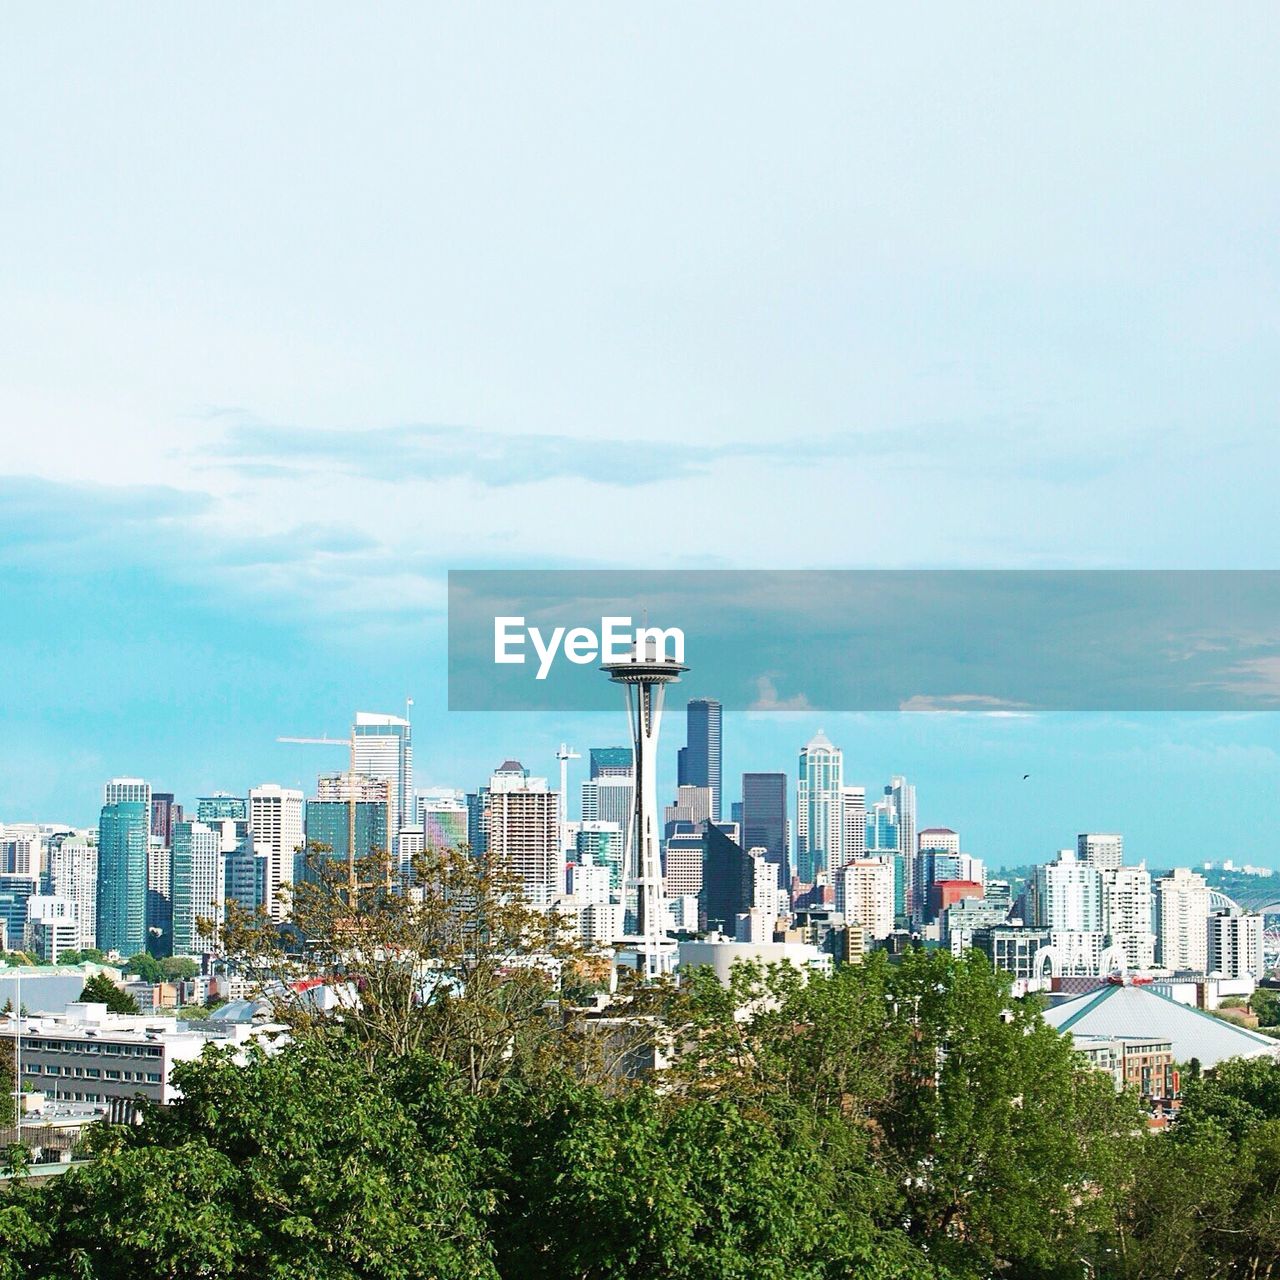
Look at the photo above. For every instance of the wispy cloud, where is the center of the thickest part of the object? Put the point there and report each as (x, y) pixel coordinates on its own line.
(965, 704)
(395, 454)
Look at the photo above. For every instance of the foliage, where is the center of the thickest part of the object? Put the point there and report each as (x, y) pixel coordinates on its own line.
(178, 968)
(292, 1165)
(459, 1115)
(145, 966)
(101, 990)
(457, 962)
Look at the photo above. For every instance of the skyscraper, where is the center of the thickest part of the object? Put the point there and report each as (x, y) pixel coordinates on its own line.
(699, 765)
(159, 900)
(220, 806)
(764, 819)
(164, 813)
(1068, 895)
(329, 820)
(903, 795)
(124, 834)
(1104, 851)
(198, 886)
(384, 749)
(1235, 944)
(865, 894)
(1126, 901)
(1182, 920)
(693, 804)
(819, 809)
(73, 874)
(602, 843)
(728, 880)
(275, 822)
(612, 762)
(853, 822)
(523, 825)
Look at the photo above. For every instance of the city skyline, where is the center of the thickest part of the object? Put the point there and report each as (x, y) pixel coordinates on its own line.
(1000, 838)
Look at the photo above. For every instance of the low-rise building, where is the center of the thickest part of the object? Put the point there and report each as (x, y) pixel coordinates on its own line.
(90, 1055)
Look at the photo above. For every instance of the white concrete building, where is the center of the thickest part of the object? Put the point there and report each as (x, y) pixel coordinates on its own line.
(1068, 895)
(1104, 850)
(276, 827)
(73, 874)
(1235, 944)
(52, 926)
(524, 830)
(1126, 914)
(864, 894)
(89, 1055)
(1181, 921)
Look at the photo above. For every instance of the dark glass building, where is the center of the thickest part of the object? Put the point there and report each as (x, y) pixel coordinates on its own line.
(612, 762)
(699, 763)
(728, 881)
(764, 818)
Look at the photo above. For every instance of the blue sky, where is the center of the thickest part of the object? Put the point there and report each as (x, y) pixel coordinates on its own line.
(301, 307)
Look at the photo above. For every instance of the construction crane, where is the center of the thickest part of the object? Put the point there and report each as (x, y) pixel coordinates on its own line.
(564, 755)
(353, 887)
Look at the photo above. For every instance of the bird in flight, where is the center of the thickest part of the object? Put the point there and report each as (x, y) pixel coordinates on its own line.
(1025, 776)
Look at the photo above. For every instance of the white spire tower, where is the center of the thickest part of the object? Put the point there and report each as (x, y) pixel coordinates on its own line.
(646, 674)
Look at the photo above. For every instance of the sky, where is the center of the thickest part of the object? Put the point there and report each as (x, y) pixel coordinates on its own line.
(302, 306)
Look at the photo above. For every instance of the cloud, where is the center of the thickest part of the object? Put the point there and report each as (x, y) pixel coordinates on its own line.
(396, 454)
(1257, 678)
(965, 704)
(767, 698)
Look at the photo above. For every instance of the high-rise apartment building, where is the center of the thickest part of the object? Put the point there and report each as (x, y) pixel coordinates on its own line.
(1182, 921)
(699, 763)
(523, 824)
(1235, 944)
(853, 822)
(73, 875)
(764, 819)
(20, 850)
(865, 894)
(1100, 849)
(1126, 914)
(51, 926)
(384, 749)
(124, 838)
(276, 825)
(1067, 895)
(819, 809)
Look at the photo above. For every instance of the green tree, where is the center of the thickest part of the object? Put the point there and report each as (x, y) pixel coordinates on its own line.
(178, 968)
(101, 990)
(443, 969)
(145, 966)
(294, 1164)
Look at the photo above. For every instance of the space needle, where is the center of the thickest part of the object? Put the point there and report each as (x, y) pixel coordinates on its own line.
(644, 677)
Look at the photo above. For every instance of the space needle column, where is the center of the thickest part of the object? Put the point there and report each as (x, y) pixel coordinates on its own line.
(644, 678)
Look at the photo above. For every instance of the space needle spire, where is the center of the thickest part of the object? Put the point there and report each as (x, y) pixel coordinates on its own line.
(644, 677)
